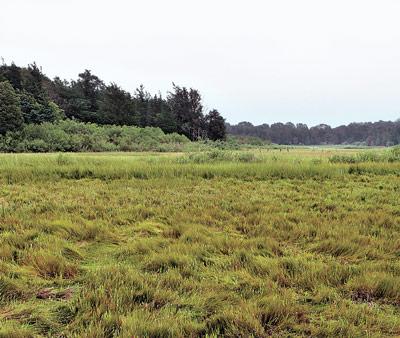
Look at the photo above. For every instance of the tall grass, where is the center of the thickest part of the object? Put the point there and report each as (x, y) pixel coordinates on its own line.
(390, 155)
(282, 243)
(226, 164)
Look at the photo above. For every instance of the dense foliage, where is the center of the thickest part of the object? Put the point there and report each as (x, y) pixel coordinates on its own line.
(73, 136)
(10, 109)
(372, 134)
(89, 99)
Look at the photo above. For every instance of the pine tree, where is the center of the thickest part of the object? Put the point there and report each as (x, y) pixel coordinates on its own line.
(10, 110)
(216, 129)
(116, 106)
(188, 111)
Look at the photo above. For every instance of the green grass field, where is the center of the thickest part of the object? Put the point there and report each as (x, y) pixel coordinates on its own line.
(299, 242)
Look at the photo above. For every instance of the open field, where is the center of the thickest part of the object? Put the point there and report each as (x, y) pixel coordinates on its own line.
(258, 243)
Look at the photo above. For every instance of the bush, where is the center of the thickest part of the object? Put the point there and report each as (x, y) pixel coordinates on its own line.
(69, 135)
(36, 146)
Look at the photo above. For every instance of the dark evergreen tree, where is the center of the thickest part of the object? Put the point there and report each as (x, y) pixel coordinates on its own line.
(216, 129)
(116, 106)
(32, 83)
(163, 116)
(90, 86)
(142, 103)
(11, 73)
(188, 111)
(10, 109)
(85, 94)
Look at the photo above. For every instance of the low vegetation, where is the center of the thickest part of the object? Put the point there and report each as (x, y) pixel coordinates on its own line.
(391, 155)
(73, 136)
(236, 243)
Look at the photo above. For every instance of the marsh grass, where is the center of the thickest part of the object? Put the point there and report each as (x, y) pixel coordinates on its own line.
(247, 165)
(242, 243)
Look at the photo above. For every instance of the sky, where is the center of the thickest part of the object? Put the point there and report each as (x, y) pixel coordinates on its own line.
(262, 61)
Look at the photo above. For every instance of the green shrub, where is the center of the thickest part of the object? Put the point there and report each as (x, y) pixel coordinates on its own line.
(37, 146)
(69, 135)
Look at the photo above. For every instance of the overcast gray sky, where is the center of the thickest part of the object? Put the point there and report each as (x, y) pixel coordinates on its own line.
(308, 61)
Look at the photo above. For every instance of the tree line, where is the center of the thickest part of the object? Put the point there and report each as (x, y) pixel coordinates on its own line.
(382, 133)
(27, 96)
